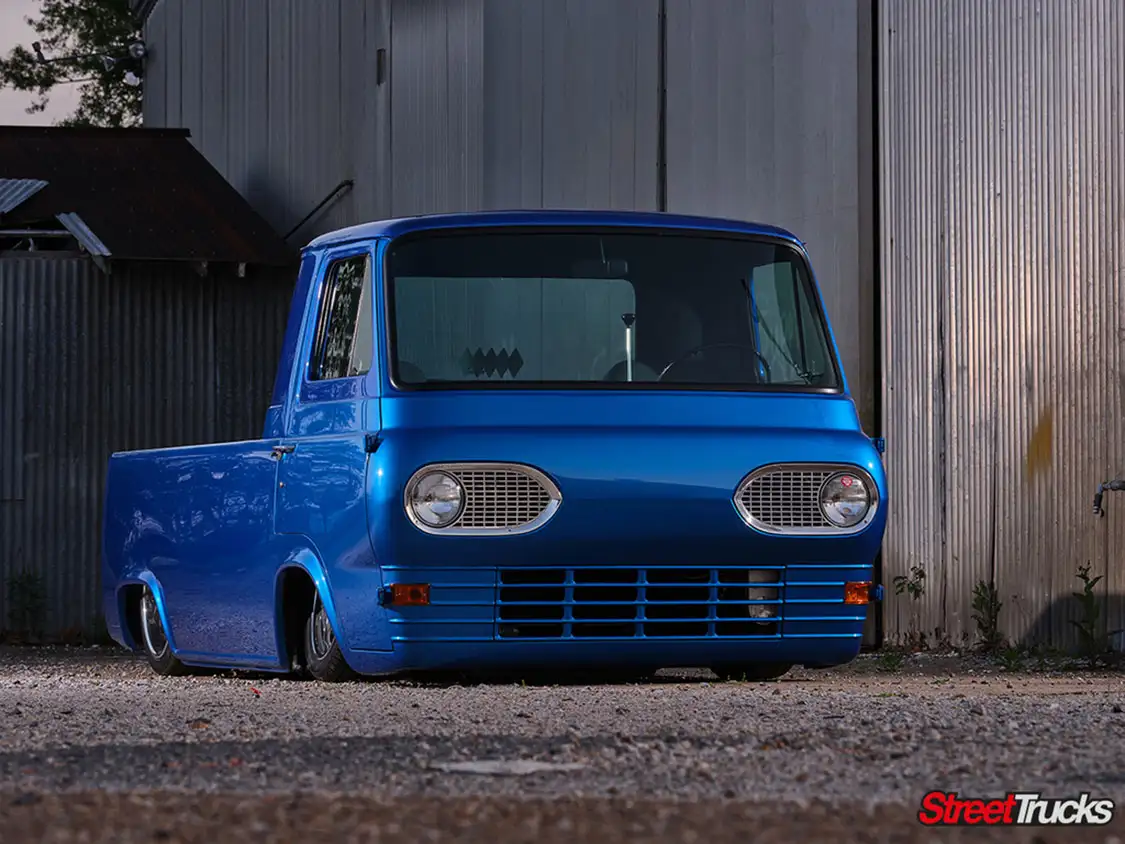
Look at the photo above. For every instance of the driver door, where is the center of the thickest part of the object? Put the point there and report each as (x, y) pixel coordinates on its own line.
(322, 472)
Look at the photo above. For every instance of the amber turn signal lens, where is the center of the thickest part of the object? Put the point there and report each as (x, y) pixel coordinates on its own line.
(410, 594)
(857, 593)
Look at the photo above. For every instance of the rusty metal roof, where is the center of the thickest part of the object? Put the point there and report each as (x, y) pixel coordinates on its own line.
(14, 192)
(143, 194)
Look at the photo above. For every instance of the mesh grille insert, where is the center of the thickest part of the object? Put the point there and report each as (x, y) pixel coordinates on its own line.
(500, 498)
(787, 499)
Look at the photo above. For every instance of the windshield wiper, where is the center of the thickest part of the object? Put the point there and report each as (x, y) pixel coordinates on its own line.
(755, 318)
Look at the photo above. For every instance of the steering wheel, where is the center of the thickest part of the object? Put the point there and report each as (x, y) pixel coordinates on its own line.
(677, 361)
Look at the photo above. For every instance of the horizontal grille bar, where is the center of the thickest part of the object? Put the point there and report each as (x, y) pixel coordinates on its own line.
(636, 603)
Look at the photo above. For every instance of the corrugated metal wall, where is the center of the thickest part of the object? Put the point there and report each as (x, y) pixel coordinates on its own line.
(766, 110)
(150, 357)
(1002, 161)
(571, 105)
(769, 118)
(542, 103)
(437, 91)
(550, 131)
(283, 99)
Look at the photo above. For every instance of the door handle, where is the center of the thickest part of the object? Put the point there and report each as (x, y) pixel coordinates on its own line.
(280, 450)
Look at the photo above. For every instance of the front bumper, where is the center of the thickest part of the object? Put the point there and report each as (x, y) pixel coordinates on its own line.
(660, 616)
(497, 655)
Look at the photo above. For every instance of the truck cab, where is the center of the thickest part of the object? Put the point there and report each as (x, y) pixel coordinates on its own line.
(578, 439)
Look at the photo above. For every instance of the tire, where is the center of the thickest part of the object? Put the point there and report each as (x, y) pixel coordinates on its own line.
(154, 641)
(756, 673)
(324, 659)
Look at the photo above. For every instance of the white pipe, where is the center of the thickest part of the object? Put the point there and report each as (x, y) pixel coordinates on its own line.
(629, 353)
(628, 319)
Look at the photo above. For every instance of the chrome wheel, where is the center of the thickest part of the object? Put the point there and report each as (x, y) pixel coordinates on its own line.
(156, 643)
(323, 657)
(321, 637)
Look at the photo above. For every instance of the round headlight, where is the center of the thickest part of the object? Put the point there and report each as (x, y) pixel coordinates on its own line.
(845, 500)
(436, 499)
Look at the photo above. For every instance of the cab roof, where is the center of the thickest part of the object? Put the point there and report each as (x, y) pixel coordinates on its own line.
(635, 219)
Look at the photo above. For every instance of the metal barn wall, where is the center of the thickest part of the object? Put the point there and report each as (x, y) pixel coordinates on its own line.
(288, 99)
(150, 357)
(535, 103)
(1002, 161)
(769, 110)
(283, 98)
(435, 73)
(489, 107)
(572, 104)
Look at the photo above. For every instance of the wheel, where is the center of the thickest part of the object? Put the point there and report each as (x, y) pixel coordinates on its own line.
(757, 673)
(157, 650)
(323, 658)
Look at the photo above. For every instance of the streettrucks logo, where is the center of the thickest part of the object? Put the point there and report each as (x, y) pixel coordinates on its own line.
(946, 808)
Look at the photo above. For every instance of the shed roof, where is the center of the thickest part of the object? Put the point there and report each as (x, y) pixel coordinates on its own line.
(140, 194)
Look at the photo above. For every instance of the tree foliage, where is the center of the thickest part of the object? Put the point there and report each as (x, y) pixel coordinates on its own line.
(88, 30)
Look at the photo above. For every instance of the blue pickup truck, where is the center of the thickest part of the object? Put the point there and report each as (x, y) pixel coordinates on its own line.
(499, 441)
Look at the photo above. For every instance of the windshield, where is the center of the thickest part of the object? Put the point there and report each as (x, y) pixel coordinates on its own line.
(563, 309)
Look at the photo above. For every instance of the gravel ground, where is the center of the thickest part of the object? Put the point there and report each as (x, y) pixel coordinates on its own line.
(95, 748)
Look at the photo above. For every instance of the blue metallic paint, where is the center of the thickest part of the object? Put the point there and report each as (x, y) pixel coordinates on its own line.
(647, 480)
(283, 383)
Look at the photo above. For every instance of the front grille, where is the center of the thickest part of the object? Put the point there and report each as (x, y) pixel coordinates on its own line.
(500, 498)
(785, 499)
(629, 603)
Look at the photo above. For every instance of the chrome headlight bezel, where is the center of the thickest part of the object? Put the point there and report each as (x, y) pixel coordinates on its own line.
(436, 477)
(846, 479)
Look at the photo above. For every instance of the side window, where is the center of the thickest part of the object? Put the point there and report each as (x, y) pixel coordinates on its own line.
(344, 344)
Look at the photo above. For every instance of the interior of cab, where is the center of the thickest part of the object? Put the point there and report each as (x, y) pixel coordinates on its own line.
(568, 308)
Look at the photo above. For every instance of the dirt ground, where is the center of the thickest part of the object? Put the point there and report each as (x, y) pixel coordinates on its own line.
(94, 748)
(100, 818)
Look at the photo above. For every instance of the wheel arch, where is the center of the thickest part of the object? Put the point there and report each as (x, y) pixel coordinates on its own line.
(298, 577)
(129, 593)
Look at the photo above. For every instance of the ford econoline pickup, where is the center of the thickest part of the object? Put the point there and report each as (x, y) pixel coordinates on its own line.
(607, 441)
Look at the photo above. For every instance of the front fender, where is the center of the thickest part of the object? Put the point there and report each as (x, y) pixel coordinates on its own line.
(305, 558)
